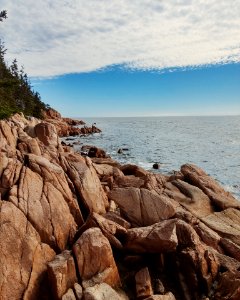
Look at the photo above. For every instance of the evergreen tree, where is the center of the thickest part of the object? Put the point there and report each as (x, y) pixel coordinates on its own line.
(16, 93)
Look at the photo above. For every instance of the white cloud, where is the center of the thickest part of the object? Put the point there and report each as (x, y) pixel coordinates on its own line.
(57, 37)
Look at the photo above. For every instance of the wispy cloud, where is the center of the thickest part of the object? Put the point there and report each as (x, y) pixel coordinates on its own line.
(57, 37)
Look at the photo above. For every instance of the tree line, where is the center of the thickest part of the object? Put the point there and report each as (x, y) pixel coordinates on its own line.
(16, 93)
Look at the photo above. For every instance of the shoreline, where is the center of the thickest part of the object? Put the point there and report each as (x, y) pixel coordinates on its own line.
(108, 229)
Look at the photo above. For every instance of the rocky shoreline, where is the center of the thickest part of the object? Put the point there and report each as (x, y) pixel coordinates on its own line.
(79, 227)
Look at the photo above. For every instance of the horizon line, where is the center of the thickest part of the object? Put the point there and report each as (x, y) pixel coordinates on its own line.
(157, 116)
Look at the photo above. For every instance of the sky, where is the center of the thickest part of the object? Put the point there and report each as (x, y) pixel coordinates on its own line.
(128, 58)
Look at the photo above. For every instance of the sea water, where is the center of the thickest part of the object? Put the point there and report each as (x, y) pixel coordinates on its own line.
(212, 143)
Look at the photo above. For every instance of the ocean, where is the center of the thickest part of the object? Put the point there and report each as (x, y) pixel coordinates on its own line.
(212, 143)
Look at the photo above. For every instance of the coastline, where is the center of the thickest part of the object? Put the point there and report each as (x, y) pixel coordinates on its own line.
(108, 229)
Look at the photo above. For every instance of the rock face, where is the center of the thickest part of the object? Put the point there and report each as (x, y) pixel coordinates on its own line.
(142, 207)
(78, 227)
(23, 257)
(95, 259)
(62, 274)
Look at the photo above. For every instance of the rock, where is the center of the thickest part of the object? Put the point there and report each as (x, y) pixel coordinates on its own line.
(158, 238)
(51, 114)
(107, 170)
(69, 295)
(10, 169)
(195, 200)
(228, 286)
(156, 166)
(159, 287)
(120, 151)
(86, 182)
(226, 223)
(133, 170)
(47, 134)
(209, 186)
(142, 207)
(95, 259)
(167, 296)
(45, 207)
(23, 258)
(143, 284)
(8, 136)
(78, 291)
(109, 228)
(128, 181)
(199, 267)
(117, 219)
(230, 248)
(62, 274)
(155, 182)
(208, 236)
(97, 152)
(187, 236)
(55, 175)
(103, 292)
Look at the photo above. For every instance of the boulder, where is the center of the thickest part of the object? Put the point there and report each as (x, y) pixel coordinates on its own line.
(158, 238)
(133, 170)
(141, 206)
(228, 286)
(103, 292)
(226, 223)
(195, 200)
(109, 228)
(45, 207)
(23, 258)
(86, 182)
(69, 295)
(143, 284)
(209, 186)
(10, 169)
(95, 259)
(47, 134)
(128, 181)
(62, 274)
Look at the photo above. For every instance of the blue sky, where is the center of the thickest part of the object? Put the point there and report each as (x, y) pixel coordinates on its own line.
(213, 90)
(133, 43)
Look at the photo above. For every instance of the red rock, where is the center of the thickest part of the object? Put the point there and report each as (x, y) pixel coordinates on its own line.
(23, 258)
(158, 238)
(228, 287)
(143, 284)
(69, 295)
(210, 187)
(62, 274)
(195, 200)
(155, 182)
(128, 181)
(45, 207)
(109, 228)
(142, 207)
(226, 223)
(103, 292)
(133, 170)
(87, 184)
(47, 134)
(95, 259)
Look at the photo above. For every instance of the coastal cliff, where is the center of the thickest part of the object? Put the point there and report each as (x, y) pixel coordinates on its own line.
(80, 227)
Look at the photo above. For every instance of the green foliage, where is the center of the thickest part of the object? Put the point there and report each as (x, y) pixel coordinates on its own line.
(16, 93)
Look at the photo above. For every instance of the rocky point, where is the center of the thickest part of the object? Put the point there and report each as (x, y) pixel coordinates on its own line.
(74, 226)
